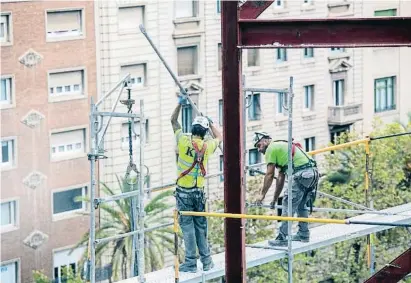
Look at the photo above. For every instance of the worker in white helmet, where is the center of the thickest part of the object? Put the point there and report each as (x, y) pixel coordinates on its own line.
(193, 155)
(304, 185)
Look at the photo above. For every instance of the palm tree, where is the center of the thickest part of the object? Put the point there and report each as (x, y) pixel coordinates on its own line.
(116, 220)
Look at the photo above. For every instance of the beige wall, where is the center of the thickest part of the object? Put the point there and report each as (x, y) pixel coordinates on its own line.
(33, 144)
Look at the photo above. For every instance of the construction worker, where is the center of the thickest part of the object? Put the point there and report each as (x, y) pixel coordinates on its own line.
(304, 184)
(193, 155)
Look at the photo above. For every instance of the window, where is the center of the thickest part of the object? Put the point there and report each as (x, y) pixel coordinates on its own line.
(308, 52)
(338, 92)
(309, 97)
(384, 94)
(6, 91)
(7, 153)
(5, 28)
(134, 134)
(9, 272)
(220, 112)
(64, 259)
(254, 157)
(218, 6)
(254, 108)
(130, 18)
(65, 84)
(253, 57)
(187, 58)
(281, 102)
(337, 49)
(386, 13)
(309, 144)
(281, 54)
(221, 167)
(278, 4)
(220, 57)
(8, 214)
(64, 24)
(137, 74)
(187, 118)
(186, 9)
(68, 144)
(69, 201)
(308, 2)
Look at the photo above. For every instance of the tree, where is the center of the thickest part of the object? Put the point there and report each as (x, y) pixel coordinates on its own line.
(116, 220)
(70, 277)
(345, 170)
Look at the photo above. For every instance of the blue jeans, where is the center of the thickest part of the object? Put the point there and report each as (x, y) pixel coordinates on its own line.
(303, 182)
(194, 228)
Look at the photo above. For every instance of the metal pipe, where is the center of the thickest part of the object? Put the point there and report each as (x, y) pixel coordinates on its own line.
(110, 117)
(92, 158)
(118, 115)
(290, 180)
(244, 129)
(338, 146)
(176, 260)
(389, 136)
(368, 198)
(344, 201)
(234, 236)
(295, 219)
(273, 90)
(141, 260)
(267, 247)
(134, 219)
(112, 90)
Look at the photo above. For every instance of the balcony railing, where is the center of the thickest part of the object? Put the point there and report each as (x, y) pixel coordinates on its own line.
(345, 114)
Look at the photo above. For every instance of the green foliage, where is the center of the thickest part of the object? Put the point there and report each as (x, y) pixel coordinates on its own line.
(70, 277)
(117, 219)
(390, 168)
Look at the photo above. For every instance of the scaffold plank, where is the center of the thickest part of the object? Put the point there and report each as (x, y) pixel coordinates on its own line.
(321, 236)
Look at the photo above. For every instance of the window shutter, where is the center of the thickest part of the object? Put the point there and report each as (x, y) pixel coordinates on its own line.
(184, 8)
(66, 78)
(69, 137)
(63, 21)
(135, 71)
(187, 57)
(130, 17)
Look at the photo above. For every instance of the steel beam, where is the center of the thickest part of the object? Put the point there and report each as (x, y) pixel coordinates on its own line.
(252, 9)
(233, 135)
(335, 32)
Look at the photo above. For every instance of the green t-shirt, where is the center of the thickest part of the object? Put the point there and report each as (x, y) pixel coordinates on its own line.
(277, 154)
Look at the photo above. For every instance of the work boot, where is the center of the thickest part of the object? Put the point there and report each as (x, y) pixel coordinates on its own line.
(187, 268)
(207, 267)
(299, 238)
(279, 241)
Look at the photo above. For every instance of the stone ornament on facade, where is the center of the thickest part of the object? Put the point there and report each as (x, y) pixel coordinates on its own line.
(191, 87)
(35, 239)
(34, 180)
(340, 65)
(32, 118)
(30, 58)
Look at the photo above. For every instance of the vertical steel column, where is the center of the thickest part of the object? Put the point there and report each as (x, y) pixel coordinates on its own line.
(244, 140)
(290, 179)
(370, 204)
(93, 157)
(233, 159)
(141, 212)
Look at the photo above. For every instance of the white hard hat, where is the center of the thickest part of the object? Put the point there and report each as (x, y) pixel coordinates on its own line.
(258, 136)
(202, 121)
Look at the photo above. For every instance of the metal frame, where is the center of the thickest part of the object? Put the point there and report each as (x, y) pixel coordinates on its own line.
(96, 153)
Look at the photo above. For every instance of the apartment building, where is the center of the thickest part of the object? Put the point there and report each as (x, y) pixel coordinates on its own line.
(48, 74)
(336, 89)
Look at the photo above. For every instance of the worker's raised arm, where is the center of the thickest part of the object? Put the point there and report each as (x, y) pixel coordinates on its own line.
(174, 117)
(216, 133)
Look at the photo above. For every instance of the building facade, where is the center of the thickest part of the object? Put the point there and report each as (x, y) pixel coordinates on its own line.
(48, 74)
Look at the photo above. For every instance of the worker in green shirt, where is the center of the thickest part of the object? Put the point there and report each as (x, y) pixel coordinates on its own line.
(305, 181)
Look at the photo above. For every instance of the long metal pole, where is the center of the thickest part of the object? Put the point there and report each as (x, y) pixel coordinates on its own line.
(290, 179)
(92, 158)
(141, 260)
(370, 204)
(176, 80)
(244, 140)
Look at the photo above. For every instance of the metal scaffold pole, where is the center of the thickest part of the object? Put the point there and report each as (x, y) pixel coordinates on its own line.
(141, 212)
(290, 179)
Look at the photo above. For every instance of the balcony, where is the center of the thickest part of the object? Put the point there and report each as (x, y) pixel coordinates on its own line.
(345, 114)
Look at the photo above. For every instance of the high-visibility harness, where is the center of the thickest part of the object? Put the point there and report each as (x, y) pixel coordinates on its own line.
(294, 144)
(198, 159)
